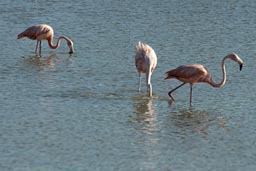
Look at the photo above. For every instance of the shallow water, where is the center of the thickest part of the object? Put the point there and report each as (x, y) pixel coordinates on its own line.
(82, 111)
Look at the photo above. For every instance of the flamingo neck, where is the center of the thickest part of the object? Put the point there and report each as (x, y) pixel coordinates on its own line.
(50, 43)
(224, 77)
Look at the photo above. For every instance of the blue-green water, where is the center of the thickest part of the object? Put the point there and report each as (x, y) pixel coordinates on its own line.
(82, 112)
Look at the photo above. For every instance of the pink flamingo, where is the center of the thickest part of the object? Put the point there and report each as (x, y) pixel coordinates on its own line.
(195, 73)
(145, 61)
(41, 32)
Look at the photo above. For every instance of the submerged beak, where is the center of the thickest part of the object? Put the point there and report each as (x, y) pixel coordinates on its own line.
(241, 66)
(71, 49)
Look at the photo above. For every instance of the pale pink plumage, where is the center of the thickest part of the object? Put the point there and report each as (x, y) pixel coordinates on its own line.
(196, 73)
(145, 61)
(41, 32)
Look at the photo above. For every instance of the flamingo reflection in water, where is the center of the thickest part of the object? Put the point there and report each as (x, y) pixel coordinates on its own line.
(145, 113)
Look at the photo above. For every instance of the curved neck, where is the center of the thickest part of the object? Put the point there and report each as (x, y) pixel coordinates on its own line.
(223, 81)
(58, 42)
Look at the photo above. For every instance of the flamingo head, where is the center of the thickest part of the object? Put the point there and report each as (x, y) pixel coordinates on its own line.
(236, 58)
(70, 45)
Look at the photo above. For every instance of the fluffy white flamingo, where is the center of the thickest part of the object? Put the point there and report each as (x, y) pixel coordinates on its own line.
(145, 61)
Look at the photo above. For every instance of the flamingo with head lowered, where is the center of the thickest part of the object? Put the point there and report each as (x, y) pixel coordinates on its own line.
(145, 61)
(196, 73)
(41, 32)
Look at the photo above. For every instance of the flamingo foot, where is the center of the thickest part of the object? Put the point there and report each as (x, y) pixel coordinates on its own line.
(170, 101)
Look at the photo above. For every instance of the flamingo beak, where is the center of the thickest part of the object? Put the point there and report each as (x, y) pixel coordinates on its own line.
(70, 45)
(241, 66)
(71, 49)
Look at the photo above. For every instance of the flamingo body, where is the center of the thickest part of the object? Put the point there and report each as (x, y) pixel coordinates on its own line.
(41, 32)
(196, 73)
(145, 62)
(37, 32)
(189, 73)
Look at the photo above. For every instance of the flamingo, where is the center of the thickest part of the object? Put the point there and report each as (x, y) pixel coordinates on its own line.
(145, 61)
(41, 32)
(196, 73)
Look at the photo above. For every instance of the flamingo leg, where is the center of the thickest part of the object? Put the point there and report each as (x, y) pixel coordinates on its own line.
(150, 90)
(191, 89)
(40, 48)
(36, 47)
(170, 92)
(139, 82)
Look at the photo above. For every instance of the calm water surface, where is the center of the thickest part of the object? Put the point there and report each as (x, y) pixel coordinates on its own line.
(82, 112)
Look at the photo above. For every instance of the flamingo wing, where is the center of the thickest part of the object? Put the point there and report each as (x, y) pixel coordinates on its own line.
(35, 32)
(188, 73)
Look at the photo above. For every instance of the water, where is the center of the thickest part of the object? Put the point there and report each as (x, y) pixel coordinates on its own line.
(82, 111)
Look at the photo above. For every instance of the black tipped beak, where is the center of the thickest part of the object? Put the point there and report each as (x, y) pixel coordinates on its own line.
(241, 66)
(71, 49)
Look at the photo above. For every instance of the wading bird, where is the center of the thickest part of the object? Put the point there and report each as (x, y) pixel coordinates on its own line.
(196, 73)
(41, 32)
(145, 61)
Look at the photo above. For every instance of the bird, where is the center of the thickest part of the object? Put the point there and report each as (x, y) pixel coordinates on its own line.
(41, 32)
(196, 73)
(145, 62)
